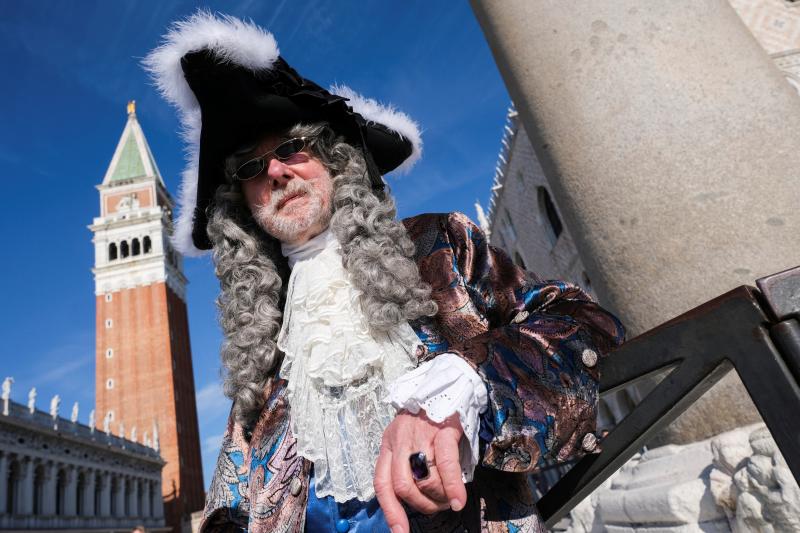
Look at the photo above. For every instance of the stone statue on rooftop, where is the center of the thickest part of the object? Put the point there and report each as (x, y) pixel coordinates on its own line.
(32, 400)
(55, 403)
(133, 434)
(7, 387)
(74, 416)
(6, 393)
(107, 423)
(91, 421)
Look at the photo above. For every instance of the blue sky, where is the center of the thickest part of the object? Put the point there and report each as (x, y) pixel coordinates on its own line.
(71, 66)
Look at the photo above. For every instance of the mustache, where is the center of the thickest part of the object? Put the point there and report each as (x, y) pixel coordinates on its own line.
(292, 188)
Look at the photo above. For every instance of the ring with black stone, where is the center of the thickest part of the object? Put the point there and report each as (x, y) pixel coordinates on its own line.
(419, 466)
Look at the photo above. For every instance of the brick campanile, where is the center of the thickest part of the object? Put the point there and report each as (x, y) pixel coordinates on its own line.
(143, 358)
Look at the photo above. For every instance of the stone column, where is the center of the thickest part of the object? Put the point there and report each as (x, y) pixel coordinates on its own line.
(26, 485)
(148, 496)
(158, 500)
(49, 489)
(120, 497)
(105, 494)
(70, 491)
(669, 139)
(88, 493)
(3, 482)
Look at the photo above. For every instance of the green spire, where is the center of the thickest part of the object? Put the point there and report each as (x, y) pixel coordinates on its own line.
(132, 158)
(130, 161)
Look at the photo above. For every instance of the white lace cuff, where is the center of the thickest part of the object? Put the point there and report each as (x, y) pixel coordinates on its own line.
(442, 386)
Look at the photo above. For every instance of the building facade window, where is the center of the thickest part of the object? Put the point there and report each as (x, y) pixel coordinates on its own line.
(127, 506)
(511, 231)
(147, 245)
(553, 221)
(112, 251)
(109, 353)
(140, 497)
(135, 248)
(124, 251)
(38, 490)
(61, 491)
(98, 493)
(115, 488)
(81, 490)
(109, 384)
(109, 323)
(109, 297)
(12, 486)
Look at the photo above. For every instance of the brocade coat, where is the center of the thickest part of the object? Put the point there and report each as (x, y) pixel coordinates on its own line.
(525, 337)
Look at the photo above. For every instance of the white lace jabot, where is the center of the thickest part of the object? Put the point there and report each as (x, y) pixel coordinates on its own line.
(337, 371)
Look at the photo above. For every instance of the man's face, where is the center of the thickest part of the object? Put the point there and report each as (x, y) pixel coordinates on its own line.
(290, 199)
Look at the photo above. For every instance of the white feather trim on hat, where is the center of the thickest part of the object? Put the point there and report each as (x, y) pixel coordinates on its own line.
(397, 121)
(229, 38)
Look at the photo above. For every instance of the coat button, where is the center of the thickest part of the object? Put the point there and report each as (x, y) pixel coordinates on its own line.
(295, 486)
(521, 316)
(342, 526)
(589, 442)
(589, 357)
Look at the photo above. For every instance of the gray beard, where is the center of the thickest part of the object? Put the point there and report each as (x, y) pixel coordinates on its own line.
(287, 229)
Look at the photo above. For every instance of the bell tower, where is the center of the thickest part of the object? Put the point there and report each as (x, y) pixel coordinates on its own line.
(143, 358)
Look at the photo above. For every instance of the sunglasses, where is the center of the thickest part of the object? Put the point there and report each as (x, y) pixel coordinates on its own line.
(282, 152)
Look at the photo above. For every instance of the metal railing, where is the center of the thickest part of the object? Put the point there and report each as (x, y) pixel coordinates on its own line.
(754, 331)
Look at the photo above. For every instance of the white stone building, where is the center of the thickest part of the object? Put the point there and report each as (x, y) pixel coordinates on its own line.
(57, 473)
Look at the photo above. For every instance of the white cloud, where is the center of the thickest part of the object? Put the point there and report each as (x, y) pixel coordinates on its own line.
(211, 402)
(57, 373)
(212, 444)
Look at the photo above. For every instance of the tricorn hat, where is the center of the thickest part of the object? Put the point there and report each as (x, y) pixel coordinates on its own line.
(231, 86)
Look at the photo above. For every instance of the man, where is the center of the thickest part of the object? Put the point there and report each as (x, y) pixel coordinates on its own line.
(385, 375)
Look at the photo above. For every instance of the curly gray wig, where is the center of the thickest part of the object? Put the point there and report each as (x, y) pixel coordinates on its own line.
(376, 252)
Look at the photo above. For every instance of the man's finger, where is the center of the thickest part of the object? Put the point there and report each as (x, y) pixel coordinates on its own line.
(406, 488)
(432, 487)
(446, 452)
(393, 510)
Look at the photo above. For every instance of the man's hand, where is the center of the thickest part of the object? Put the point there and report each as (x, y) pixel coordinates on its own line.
(443, 489)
